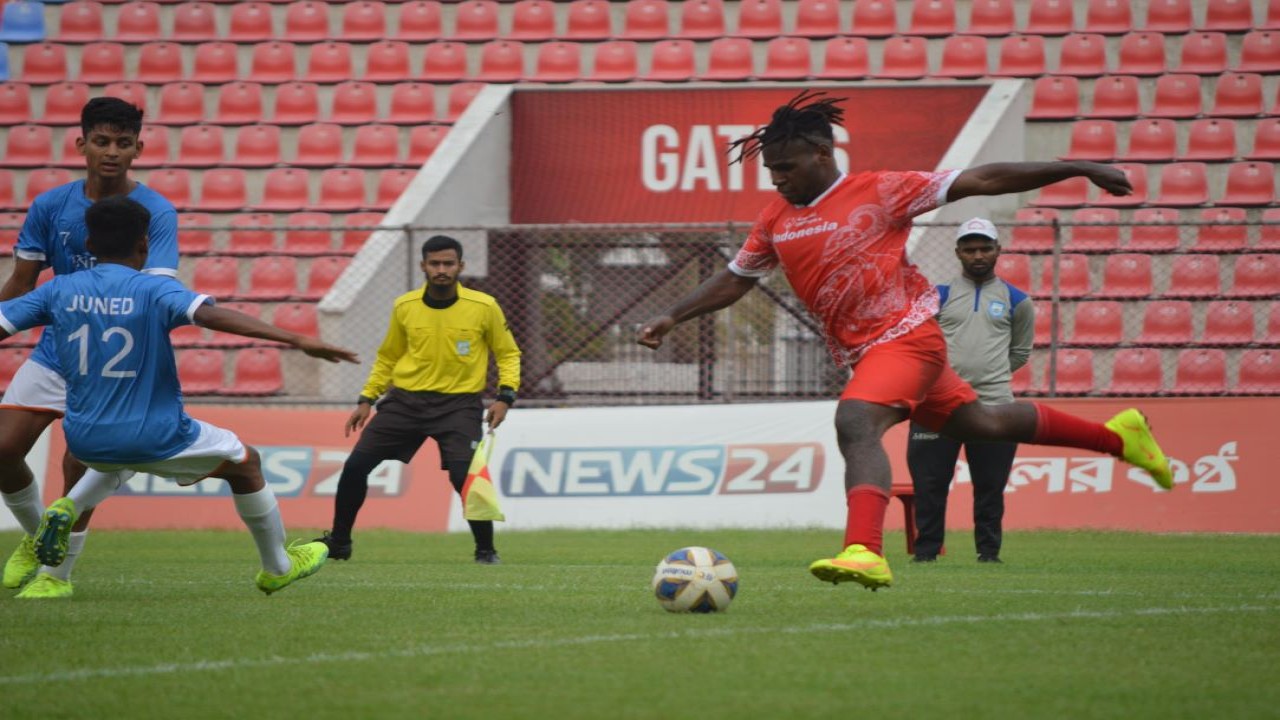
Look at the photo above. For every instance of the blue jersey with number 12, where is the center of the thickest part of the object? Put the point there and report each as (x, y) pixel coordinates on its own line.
(110, 327)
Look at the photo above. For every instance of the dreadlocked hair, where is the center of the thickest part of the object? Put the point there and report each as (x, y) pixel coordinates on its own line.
(809, 116)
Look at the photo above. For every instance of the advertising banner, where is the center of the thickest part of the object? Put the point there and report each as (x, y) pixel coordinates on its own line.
(659, 155)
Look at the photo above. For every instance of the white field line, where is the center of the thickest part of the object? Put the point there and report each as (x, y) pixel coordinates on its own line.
(419, 651)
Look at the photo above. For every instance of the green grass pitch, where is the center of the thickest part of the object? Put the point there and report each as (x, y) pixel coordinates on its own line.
(1073, 625)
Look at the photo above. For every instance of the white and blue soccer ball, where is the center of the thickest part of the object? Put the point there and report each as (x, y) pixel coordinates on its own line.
(695, 579)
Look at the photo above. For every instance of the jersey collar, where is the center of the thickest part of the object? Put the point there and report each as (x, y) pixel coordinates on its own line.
(834, 185)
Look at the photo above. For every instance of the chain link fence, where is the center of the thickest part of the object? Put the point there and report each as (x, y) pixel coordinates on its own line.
(1121, 309)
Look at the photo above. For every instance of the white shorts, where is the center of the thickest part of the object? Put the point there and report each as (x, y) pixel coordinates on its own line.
(212, 447)
(36, 387)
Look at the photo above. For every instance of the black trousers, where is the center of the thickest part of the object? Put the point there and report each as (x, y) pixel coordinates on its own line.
(931, 458)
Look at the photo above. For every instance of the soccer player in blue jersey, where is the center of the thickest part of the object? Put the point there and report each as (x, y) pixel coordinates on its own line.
(53, 236)
(109, 326)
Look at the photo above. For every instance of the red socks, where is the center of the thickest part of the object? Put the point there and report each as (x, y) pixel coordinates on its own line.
(1054, 427)
(865, 523)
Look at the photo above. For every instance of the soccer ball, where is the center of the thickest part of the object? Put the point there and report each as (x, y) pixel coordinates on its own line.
(695, 579)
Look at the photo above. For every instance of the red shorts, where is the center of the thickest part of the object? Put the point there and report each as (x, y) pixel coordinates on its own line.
(911, 372)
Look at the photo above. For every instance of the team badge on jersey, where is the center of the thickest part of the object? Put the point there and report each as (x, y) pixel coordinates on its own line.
(463, 346)
(996, 310)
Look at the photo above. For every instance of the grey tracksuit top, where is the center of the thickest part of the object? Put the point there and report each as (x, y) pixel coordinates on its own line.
(989, 331)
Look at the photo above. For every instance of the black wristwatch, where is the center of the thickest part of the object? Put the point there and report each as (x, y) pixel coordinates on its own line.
(362, 400)
(507, 395)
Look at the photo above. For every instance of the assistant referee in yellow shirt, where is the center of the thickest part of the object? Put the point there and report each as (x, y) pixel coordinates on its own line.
(427, 382)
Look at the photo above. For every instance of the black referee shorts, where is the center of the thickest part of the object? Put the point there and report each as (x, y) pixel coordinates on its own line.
(406, 419)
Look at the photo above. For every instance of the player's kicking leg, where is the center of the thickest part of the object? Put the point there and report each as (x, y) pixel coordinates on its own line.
(20, 428)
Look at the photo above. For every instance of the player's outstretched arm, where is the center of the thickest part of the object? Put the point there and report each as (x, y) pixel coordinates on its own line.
(715, 293)
(22, 279)
(237, 323)
(1016, 177)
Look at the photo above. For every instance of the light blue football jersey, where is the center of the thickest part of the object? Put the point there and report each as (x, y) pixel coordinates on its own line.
(54, 234)
(109, 329)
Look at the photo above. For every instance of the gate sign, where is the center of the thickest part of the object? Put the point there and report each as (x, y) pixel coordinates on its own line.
(659, 155)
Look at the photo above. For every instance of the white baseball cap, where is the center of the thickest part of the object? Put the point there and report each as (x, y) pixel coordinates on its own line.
(978, 226)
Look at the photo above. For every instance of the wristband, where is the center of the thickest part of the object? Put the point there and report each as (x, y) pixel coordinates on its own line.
(362, 400)
(507, 395)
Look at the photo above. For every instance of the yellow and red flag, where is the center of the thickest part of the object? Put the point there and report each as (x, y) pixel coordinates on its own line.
(479, 497)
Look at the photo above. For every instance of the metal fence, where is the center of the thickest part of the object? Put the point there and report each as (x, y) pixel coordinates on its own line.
(1122, 309)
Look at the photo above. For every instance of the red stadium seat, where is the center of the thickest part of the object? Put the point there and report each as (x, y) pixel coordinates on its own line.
(216, 276)
(45, 179)
(249, 22)
(324, 272)
(15, 103)
(297, 104)
(80, 22)
(174, 184)
(591, 20)
(300, 318)
(964, 56)
(1272, 336)
(391, 185)
(1273, 15)
(375, 146)
(272, 278)
(1142, 53)
(817, 18)
(1237, 95)
(1043, 324)
(1229, 235)
(1137, 175)
(1115, 96)
(71, 157)
(29, 146)
(476, 20)
(200, 371)
(672, 61)
(138, 22)
(759, 18)
(364, 21)
(787, 58)
(1227, 322)
(252, 234)
(284, 190)
(1092, 140)
(181, 103)
(341, 189)
(1256, 276)
(411, 104)
(1072, 192)
(194, 22)
(1021, 56)
(307, 233)
(419, 20)
(904, 57)
(703, 19)
(1033, 230)
(1250, 183)
(222, 190)
(354, 103)
(227, 340)
(194, 235)
(186, 336)
(1050, 17)
(1098, 324)
(1260, 52)
(558, 62)
(1177, 96)
(423, 141)
(199, 146)
(730, 58)
(1166, 323)
(241, 104)
(1203, 53)
(1200, 372)
(306, 22)
(131, 92)
(1073, 276)
(874, 18)
(319, 146)
(646, 20)
(933, 18)
(1154, 230)
(159, 62)
(444, 61)
(501, 61)
(1015, 269)
(1075, 372)
(533, 20)
(1126, 275)
(1211, 139)
(1094, 230)
(460, 97)
(330, 62)
(1108, 17)
(1259, 372)
(257, 146)
(354, 239)
(991, 18)
(1083, 55)
(43, 64)
(273, 62)
(615, 61)
(845, 58)
(1266, 140)
(1183, 185)
(1152, 140)
(257, 372)
(1136, 371)
(1169, 16)
(8, 200)
(215, 62)
(1055, 98)
(387, 61)
(1194, 276)
(1228, 15)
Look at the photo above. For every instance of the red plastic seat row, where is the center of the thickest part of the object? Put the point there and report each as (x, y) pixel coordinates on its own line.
(305, 234)
(1129, 275)
(1165, 323)
(256, 371)
(1183, 184)
(1176, 96)
(1140, 371)
(300, 318)
(1156, 140)
(284, 189)
(1151, 230)
(273, 277)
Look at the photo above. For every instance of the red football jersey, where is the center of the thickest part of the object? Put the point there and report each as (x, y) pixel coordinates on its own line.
(845, 256)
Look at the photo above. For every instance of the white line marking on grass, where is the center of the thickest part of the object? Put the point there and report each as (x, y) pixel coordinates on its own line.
(63, 676)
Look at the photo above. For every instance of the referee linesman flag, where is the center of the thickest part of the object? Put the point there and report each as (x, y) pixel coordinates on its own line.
(479, 497)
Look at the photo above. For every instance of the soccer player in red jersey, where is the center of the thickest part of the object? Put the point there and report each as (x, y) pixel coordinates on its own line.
(841, 240)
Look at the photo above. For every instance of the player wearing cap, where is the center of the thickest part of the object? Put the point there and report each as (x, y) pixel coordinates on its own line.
(989, 326)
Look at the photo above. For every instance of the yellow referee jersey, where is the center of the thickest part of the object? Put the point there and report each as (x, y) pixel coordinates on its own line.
(444, 351)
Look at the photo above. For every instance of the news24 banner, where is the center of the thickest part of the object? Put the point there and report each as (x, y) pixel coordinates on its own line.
(659, 155)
